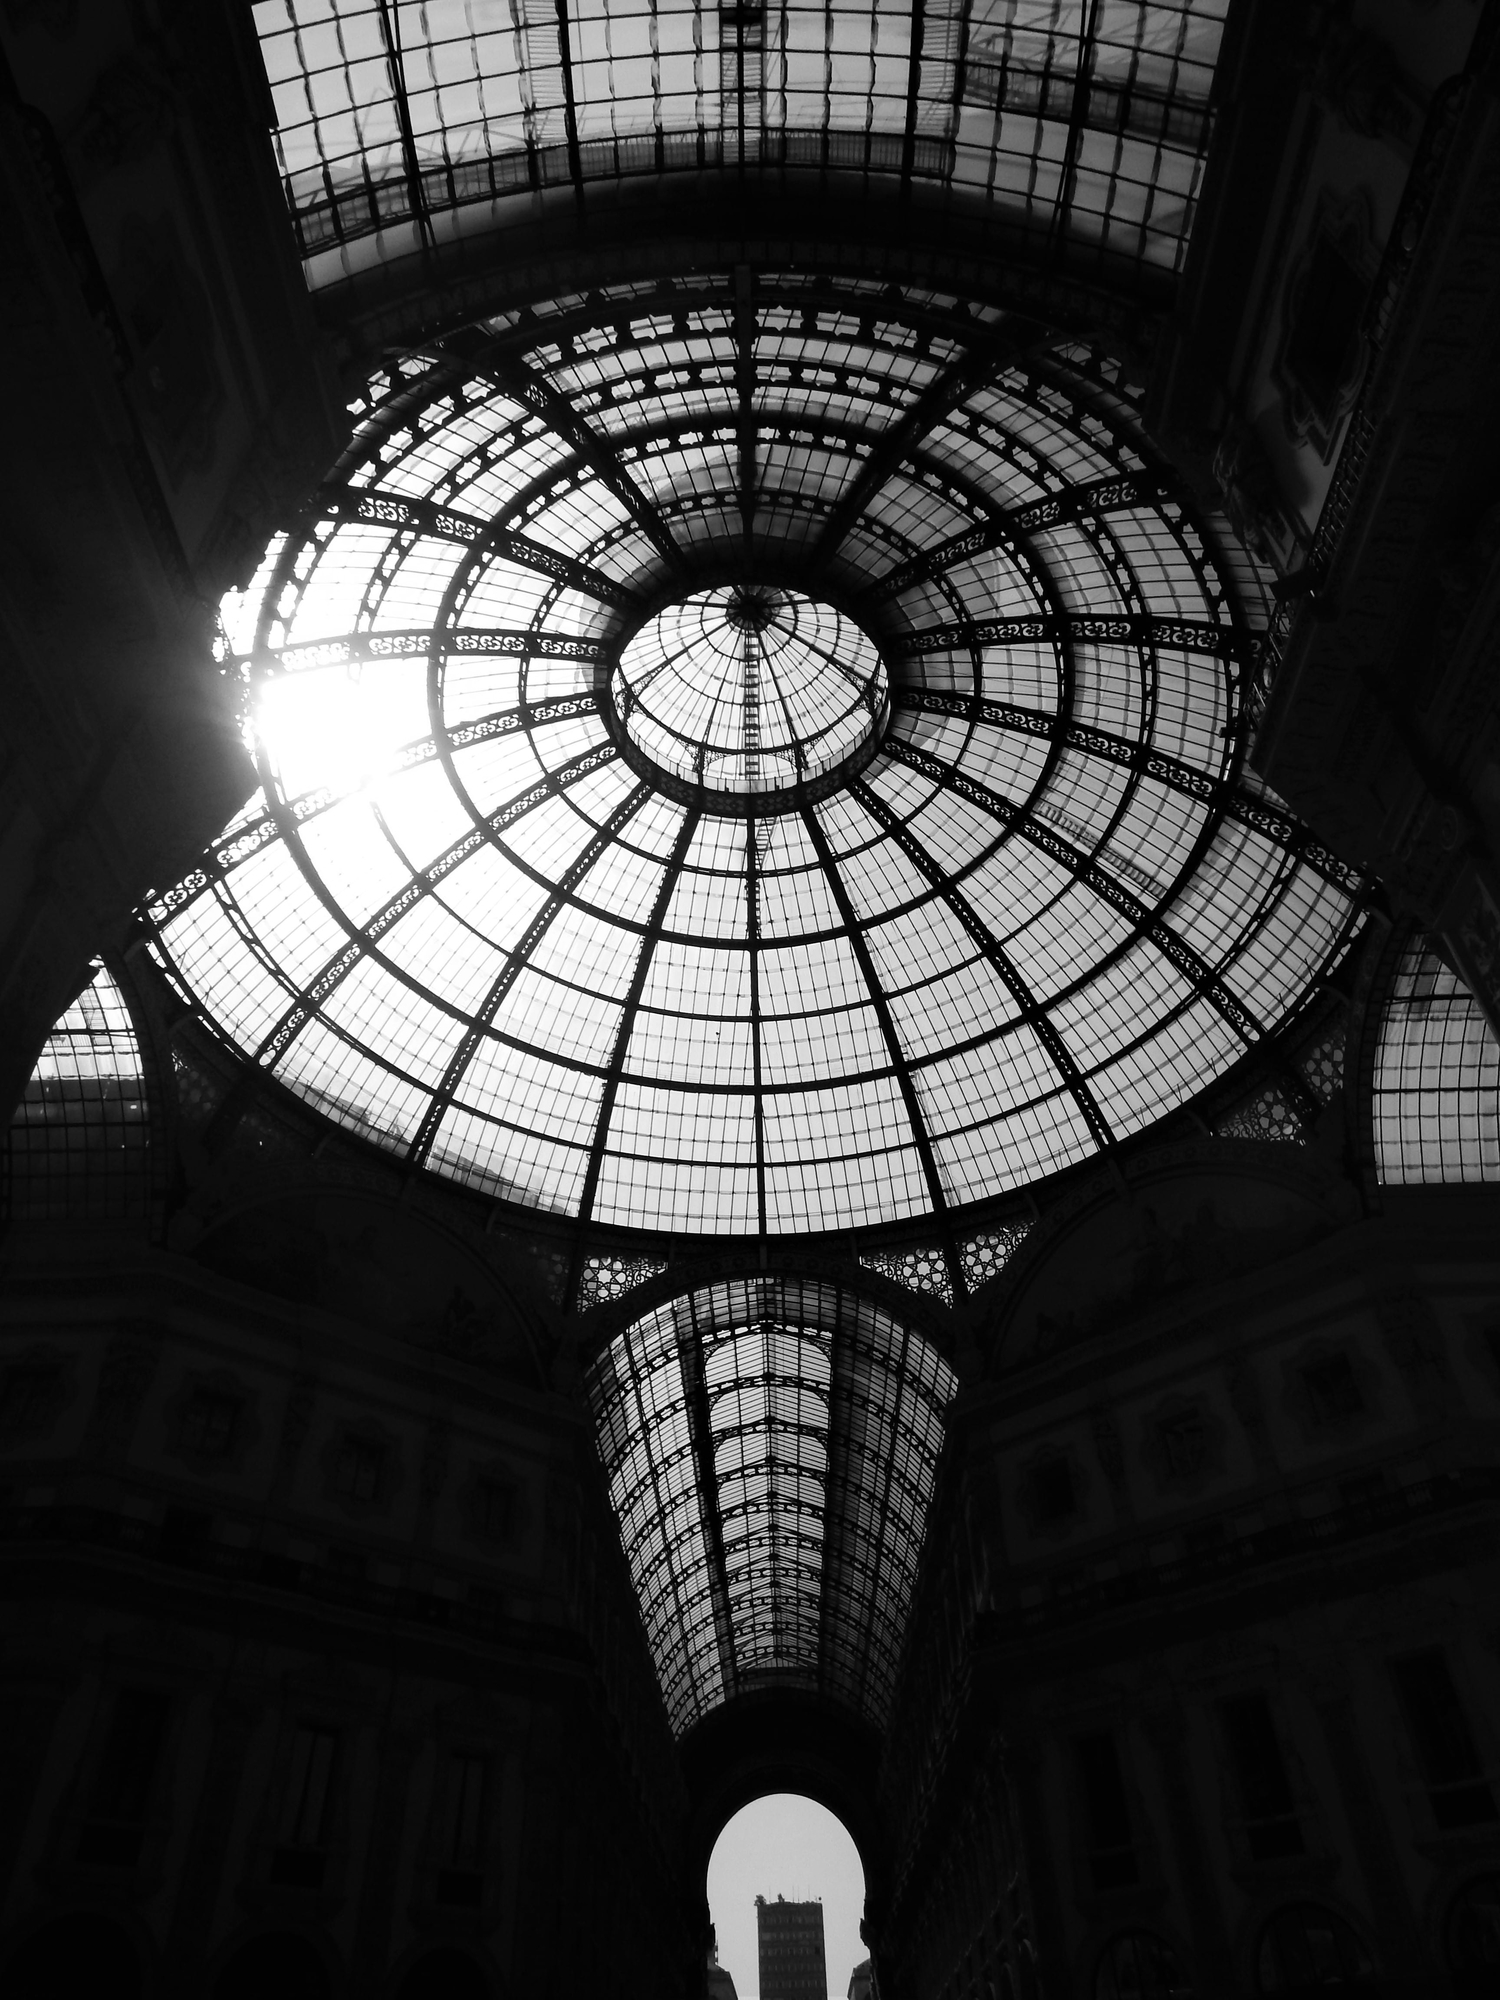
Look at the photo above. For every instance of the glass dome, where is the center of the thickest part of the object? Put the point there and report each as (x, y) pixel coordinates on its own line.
(750, 692)
(752, 753)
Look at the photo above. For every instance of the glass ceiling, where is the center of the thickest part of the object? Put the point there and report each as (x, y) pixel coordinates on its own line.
(1033, 903)
(401, 122)
(770, 1445)
(750, 690)
(1437, 1077)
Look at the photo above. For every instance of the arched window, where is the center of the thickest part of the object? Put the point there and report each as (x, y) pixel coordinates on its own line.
(444, 1975)
(77, 1145)
(1437, 1078)
(278, 1966)
(1139, 1966)
(78, 1953)
(1473, 1939)
(1307, 1950)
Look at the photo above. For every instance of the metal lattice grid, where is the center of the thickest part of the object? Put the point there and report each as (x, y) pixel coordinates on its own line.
(984, 1253)
(463, 918)
(398, 124)
(923, 1268)
(1267, 1113)
(79, 1142)
(1437, 1078)
(604, 1279)
(1321, 1063)
(770, 1444)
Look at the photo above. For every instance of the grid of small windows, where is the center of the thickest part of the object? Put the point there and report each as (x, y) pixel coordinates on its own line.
(771, 1445)
(462, 923)
(1437, 1078)
(78, 1144)
(1085, 122)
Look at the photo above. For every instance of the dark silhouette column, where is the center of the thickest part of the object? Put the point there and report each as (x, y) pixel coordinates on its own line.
(1395, 1922)
(1054, 1975)
(33, 1695)
(372, 1938)
(203, 1868)
(1217, 1978)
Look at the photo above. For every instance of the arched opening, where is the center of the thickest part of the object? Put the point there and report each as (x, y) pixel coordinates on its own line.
(792, 1852)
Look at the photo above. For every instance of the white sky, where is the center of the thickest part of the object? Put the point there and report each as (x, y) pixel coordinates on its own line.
(786, 1846)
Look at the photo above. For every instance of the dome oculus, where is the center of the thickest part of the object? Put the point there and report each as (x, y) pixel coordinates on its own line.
(470, 917)
(750, 690)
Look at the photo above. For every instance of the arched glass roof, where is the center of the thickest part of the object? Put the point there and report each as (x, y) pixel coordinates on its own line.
(78, 1143)
(401, 123)
(770, 1445)
(1018, 899)
(1437, 1077)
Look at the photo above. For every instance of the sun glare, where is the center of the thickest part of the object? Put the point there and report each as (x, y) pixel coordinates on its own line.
(340, 726)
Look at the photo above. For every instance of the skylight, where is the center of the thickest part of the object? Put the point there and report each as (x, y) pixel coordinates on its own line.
(771, 1445)
(751, 758)
(400, 124)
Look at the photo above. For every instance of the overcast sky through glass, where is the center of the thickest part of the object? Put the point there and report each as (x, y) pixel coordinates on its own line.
(786, 1846)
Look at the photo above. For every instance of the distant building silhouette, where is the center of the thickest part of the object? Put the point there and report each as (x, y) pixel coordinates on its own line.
(720, 1979)
(862, 1981)
(792, 1963)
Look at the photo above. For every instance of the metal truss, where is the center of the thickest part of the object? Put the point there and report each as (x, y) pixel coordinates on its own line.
(592, 466)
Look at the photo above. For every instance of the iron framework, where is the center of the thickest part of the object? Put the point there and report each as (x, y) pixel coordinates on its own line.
(1043, 903)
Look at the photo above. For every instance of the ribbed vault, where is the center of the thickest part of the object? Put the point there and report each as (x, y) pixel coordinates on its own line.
(992, 889)
(770, 1444)
(403, 127)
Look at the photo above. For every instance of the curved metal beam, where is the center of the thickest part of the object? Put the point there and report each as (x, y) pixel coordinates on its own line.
(397, 510)
(1073, 503)
(336, 969)
(947, 389)
(516, 961)
(936, 1192)
(1127, 628)
(671, 871)
(1176, 950)
(221, 861)
(1033, 1013)
(599, 454)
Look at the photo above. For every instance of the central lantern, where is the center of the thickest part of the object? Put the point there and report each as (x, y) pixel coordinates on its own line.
(746, 691)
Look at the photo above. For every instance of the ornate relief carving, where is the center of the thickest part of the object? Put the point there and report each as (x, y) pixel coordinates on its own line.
(1356, 75)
